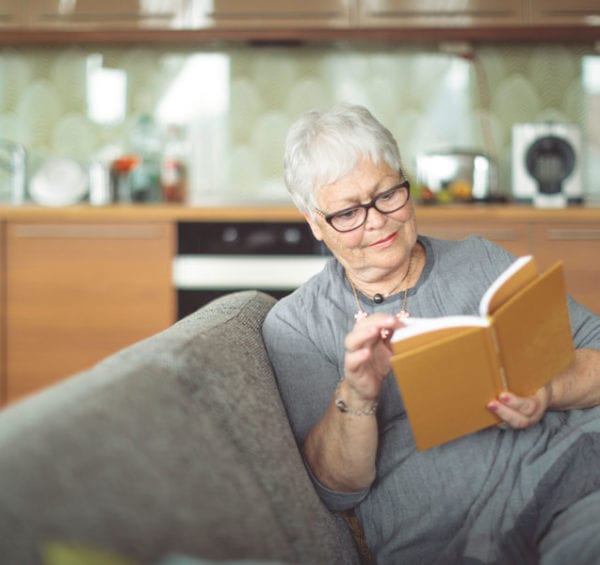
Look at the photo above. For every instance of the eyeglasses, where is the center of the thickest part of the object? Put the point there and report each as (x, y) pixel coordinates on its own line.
(387, 202)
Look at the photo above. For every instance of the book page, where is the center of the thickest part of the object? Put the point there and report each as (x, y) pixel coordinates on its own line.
(416, 326)
(518, 275)
(422, 331)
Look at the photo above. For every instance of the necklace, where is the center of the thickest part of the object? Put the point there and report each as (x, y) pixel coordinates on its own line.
(402, 313)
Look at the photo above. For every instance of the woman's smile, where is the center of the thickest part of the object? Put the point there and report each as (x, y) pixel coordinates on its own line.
(385, 242)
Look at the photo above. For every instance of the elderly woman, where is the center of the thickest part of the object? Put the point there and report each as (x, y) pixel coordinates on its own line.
(523, 492)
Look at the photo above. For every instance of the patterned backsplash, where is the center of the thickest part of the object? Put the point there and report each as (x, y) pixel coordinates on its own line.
(236, 102)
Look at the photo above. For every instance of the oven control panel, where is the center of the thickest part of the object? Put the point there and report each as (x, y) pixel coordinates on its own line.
(247, 238)
(214, 258)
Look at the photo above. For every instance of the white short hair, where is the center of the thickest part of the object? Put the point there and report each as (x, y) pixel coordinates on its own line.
(323, 147)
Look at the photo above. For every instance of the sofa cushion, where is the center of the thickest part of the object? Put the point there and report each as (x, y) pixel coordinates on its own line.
(177, 444)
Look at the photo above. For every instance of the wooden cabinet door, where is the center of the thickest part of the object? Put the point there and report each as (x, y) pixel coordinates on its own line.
(440, 13)
(108, 14)
(76, 293)
(563, 12)
(11, 13)
(513, 236)
(578, 246)
(2, 314)
(263, 14)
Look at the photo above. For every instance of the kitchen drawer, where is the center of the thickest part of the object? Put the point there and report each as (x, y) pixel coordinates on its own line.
(265, 14)
(109, 14)
(578, 246)
(513, 236)
(76, 293)
(440, 13)
(560, 12)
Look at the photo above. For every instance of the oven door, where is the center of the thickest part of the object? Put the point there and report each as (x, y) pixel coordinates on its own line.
(199, 279)
(217, 258)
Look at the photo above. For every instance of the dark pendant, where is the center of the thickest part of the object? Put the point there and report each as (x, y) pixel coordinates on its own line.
(378, 298)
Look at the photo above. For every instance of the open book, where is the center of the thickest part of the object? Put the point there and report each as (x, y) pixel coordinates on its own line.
(449, 368)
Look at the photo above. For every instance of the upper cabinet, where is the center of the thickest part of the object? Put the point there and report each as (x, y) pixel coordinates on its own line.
(108, 14)
(441, 13)
(559, 12)
(10, 13)
(262, 14)
(133, 20)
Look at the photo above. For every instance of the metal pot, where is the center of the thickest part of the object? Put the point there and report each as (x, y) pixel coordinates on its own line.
(463, 174)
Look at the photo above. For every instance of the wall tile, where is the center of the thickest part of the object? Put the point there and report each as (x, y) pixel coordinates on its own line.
(239, 103)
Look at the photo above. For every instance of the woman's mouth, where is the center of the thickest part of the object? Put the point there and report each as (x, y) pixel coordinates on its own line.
(385, 242)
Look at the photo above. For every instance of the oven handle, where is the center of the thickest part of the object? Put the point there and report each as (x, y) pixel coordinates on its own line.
(271, 272)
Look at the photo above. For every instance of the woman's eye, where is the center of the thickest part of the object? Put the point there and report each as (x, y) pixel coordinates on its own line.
(389, 195)
(347, 214)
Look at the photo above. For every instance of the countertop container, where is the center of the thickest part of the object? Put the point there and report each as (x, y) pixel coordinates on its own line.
(462, 174)
(13, 172)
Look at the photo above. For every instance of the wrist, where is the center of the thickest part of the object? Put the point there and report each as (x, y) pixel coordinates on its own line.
(353, 406)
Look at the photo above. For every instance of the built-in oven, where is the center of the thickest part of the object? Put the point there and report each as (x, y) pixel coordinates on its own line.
(214, 258)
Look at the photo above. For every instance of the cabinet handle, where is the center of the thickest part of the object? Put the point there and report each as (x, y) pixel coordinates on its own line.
(256, 14)
(565, 234)
(45, 231)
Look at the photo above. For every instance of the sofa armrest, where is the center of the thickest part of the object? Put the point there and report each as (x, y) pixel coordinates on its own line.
(177, 444)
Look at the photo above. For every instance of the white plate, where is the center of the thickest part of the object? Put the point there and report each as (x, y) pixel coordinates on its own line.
(59, 182)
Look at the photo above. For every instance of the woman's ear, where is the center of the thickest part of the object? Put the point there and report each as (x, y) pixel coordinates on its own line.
(314, 226)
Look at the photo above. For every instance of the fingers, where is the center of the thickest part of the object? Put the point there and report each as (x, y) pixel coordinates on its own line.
(370, 330)
(367, 359)
(520, 412)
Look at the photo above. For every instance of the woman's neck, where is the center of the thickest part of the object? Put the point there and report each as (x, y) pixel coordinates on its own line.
(400, 279)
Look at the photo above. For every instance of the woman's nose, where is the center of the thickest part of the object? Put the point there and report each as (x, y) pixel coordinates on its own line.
(375, 219)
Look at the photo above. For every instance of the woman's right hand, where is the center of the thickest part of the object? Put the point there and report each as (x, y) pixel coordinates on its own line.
(367, 358)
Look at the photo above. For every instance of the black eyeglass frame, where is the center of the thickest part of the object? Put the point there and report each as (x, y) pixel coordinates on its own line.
(373, 204)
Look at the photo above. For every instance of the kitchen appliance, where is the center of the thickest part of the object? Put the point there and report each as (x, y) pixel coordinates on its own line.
(546, 164)
(13, 172)
(214, 258)
(462, 174)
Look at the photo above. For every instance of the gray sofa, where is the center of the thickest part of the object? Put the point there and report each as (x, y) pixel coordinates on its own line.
(175, 446)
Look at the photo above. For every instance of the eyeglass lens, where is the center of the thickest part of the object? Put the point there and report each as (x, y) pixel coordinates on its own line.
(386, 203)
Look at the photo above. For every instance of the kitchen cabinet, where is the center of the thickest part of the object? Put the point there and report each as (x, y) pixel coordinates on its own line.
(2, 315)
(440, 13)
(35, 21)
(578, 246)
(559, 12)
(108, 14)
(513, 236)
(79, 283)
(77, 292)
(11, 13)
(263, 14)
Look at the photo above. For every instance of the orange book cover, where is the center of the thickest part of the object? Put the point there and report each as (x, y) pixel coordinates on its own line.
(449, 368)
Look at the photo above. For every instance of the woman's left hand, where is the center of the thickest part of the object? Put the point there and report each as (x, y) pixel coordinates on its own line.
(520, 412)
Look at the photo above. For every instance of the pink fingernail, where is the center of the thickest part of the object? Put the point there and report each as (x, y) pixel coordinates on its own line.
(493, 406)
(505, 398)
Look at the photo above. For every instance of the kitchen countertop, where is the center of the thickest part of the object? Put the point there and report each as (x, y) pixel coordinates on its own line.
(281, 212)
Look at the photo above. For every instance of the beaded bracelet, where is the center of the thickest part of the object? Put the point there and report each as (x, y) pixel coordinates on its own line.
(345, 409)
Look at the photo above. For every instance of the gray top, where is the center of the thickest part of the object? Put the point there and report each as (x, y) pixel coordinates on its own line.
(464, 498)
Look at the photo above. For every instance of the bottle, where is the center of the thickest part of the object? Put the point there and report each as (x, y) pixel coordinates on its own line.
(99, 184)
(122, 173)
(174, 166)
(147, 143)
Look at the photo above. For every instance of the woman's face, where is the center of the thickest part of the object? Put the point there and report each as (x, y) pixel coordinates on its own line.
(383, 243)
